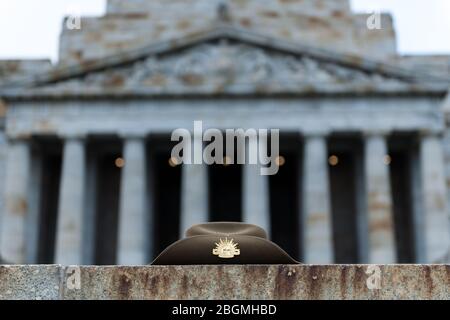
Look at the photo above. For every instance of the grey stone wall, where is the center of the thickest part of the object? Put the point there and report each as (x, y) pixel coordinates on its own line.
(11, 70)
(323, 7)
(319, 23)
(344, 114)
(133, 24)
(336, 282)
(438, 64)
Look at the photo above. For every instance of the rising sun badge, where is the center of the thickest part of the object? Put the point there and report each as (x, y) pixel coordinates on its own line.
(226, 249)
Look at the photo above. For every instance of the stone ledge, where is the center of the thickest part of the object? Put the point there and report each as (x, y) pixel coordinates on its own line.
(226, 282)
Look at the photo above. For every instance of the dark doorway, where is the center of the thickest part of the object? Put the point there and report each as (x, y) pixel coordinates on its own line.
(107, 208)
(343, 203)
(284, 202)
(166, 192)
(225, 189)
(342, 163)
(402, 196)
(49, 198)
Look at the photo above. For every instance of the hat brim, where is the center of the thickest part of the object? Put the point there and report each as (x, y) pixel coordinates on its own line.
(197, 250)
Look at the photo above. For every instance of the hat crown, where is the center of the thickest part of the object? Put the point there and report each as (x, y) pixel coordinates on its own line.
(226, 229)
(224, 243)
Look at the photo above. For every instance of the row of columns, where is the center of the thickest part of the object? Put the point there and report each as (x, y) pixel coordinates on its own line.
(135, 220)
(433, 222)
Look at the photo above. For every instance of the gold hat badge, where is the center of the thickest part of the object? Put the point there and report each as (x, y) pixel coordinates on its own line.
(226, 249)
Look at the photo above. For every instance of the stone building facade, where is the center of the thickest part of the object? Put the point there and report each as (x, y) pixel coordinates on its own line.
(364, 136)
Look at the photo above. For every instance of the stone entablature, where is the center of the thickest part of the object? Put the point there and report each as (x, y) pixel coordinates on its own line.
(163, 115)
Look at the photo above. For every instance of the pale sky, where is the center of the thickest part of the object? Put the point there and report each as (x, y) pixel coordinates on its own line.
(30, 28)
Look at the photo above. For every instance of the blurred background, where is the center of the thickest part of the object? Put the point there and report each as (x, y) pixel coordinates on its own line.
(91, 91)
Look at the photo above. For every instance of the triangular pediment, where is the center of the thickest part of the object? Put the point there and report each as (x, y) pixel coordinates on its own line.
(229, 61)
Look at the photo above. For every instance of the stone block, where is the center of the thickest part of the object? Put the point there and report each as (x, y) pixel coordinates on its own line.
(14, 69)
(345, 282)
(134, 24)
(378, 44)
(30, 282)
(435, 64)
(335, 282)
(323, 7)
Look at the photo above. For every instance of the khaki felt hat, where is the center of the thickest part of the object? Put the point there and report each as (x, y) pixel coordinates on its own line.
(224, 243)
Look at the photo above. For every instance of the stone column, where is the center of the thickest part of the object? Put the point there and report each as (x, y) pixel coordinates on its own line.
(318, 243)
(69, 239)
(194, 196)
(255, 188)
(379, 200)
(134, 221)
(13, 223)
(362, 224)
(436, 217)
(3, 162)
(418, 217)
(90, 211)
